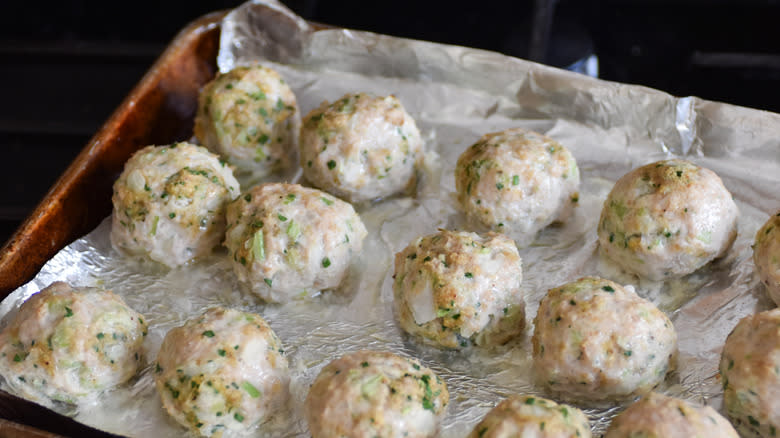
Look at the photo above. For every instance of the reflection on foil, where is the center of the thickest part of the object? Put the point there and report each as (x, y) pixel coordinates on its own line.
(456, 94)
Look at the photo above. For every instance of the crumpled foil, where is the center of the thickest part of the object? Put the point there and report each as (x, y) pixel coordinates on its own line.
(456, 94)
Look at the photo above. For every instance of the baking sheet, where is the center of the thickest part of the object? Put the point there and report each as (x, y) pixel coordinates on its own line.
(456, 94)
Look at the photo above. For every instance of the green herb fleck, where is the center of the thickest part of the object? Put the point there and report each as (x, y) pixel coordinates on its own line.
(331, 164)
(325, 262)
(208, 334)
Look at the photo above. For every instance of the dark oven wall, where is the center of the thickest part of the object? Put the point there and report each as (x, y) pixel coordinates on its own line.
(67, 65)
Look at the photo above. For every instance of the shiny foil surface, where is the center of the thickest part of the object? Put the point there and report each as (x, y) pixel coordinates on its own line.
(455, 94)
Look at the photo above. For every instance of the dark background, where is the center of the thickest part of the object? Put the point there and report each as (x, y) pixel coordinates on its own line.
(65, 66)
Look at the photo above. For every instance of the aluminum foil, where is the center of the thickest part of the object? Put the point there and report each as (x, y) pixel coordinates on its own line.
(456, 94)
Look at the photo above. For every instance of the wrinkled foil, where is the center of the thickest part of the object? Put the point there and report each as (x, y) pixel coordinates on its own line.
(456, 94)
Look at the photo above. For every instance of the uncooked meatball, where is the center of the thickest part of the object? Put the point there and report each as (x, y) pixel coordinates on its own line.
(69, 344)
(531, 416)
(749, 367)
(596, 340)
(169, 203)
(667, 219)
(370, 393)
(250, 117)
(360, 147)
(287, 241)
(457, 288)
(224, 370)
(517, 181)
(657, 415)
(766, 256)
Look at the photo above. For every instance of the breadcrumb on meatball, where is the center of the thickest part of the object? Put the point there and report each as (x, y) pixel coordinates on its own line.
(532, 416)
(517, 181)
(457, 288)
(667, 219)
(750, 372)
(250, 117)
(370, 393)
(658, 415)
(287, 241)
(766, 256)
(361, 147)
(596, 340)
(223, 370)
(169, 203)
(69, 344)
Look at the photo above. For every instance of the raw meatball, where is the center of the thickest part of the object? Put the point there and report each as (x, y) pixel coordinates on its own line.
(368, 393)
(529, 416)
(287, 241)
(224, 370)
(169, 203)
(361, 147)
(455, 288)
(749, 367)
(657, 415)
(667, 219)
(597, 340)
(766, 256)
(517, 180)
(249, 116)
(69, 344)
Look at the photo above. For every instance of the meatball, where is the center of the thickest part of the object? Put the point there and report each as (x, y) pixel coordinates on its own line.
(287, 241)
(667, 219)
(597, 340)
(456, 288)
(361, 147)
(250, 117)
(749, 366)
(169, 203)
(69, 344)
(370, 393)
(529, 416)
(517, 181)
(657, 415)
(224, 370)
(766, 256)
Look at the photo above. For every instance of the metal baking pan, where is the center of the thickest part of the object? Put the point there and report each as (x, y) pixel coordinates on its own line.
(159, 110)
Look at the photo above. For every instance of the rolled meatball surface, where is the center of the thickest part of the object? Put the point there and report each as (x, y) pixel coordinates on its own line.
(667, 219)
(169, 203)
(250, 117)
(69, 344)
(360, 147)
(370, 393)
(657, 415)
(517, 180)
(287, 241)
(749, 366)
(766, 256)
(457, 288)
(223, 370)
(596, 340)
(530, 416)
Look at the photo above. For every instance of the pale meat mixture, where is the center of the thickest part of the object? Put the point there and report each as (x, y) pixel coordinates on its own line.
(169, 203)
(517, 180)
(69, 344)
(224, 370)
(457, 288)
(375, 394)
(361, 147)
(667, 219)
(529, 416)
(596, 340)
(661, 416)
(766, 256)
(287, 241)
(750, 372)
(250, 117)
